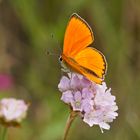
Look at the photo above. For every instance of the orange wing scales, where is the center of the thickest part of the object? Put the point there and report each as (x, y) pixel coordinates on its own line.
(92, 59)
(78, 36)
(74, 66)
(78, 56)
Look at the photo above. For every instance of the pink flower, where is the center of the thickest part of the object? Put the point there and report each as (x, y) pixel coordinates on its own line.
(94, 102)
(5, 81)
(74, 92)
(12, 111)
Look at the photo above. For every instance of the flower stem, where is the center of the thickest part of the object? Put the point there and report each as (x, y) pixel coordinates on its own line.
(70, 119)
(4, 133)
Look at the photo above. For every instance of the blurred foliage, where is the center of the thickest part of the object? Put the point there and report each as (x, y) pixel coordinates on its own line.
(30, 27)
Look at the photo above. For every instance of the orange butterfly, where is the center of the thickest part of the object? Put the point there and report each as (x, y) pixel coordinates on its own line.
(77, 56)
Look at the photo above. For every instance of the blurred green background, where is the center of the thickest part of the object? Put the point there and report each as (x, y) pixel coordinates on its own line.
(30, 27)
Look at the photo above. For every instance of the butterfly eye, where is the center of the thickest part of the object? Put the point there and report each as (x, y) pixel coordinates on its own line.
(60, 59)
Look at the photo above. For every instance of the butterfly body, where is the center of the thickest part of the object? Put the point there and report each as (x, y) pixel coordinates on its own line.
(77, 55)
(69, 64)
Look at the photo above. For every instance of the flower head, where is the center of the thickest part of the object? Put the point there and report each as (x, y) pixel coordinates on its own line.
(94, 102)
(12, 111)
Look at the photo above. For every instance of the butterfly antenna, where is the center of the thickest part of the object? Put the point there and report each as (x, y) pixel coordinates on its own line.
(50, 53)
(59, 47)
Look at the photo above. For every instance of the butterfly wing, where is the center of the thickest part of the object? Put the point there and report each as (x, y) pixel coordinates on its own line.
(78, 36)
(93, 64)
(76, 53)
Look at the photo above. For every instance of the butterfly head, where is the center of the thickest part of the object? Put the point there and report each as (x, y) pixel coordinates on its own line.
(60, 59)
(63, 65)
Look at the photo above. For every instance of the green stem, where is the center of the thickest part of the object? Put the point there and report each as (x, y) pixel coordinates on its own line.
(4, 133)
(69, 123)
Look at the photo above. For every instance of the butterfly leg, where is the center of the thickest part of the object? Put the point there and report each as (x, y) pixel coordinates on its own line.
(70, 74)
(65, 70)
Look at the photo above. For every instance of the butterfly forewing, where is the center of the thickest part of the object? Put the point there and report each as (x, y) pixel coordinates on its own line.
(78, 36)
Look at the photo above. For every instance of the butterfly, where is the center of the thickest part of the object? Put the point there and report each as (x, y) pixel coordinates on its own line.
(77, 56)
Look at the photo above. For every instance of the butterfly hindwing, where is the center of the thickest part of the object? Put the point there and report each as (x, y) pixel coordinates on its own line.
(93, 62)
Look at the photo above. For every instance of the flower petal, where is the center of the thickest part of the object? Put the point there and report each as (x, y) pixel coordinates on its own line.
(77, 96)
(67, 97)
(64, 84)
